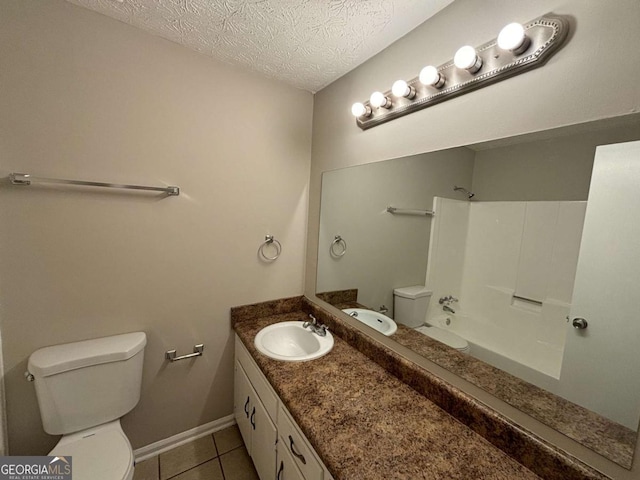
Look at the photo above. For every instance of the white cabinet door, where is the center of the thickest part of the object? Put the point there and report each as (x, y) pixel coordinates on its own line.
(242, 404)
(599, 363)
(263, 442)
(258, 431)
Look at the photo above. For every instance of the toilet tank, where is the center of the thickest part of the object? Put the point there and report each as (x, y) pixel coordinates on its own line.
(410, 305)
(84, 384)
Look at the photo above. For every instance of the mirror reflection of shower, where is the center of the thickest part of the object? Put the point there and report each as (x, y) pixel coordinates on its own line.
(469, 194)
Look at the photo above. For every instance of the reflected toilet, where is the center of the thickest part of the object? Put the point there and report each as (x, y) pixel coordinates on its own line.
(410, 309)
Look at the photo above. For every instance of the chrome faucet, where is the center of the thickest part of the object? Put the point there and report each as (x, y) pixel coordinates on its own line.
(383, 309)
(320, 330)
(448, 300)
(446, 303)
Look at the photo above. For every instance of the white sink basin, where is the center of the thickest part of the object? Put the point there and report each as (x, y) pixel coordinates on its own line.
(289, 342)
(376, 320)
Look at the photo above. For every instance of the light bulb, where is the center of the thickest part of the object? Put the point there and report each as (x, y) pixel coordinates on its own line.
(513, 38)
(430, 75)
(360, 110)
(378, 99)
(466, 58)
(400, 88)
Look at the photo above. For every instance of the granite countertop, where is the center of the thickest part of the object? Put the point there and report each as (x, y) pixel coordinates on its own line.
(364, 423)
(363, 385)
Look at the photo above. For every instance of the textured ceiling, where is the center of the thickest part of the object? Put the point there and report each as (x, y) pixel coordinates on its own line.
(305, 43)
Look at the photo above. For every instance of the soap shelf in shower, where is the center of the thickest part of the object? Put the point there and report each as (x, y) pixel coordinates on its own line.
(410, 211)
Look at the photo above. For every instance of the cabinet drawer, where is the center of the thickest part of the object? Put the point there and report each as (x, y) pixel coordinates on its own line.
(265, 392)
(286, 465)
(293, 440)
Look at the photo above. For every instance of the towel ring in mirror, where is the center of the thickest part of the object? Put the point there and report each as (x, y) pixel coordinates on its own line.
(338, 247)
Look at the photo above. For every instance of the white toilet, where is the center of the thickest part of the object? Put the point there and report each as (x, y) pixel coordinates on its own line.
(410, 309)
(83, 389)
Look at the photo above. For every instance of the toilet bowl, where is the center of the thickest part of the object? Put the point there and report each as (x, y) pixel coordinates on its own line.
(98, 453)
(83, 389)
(410, 308)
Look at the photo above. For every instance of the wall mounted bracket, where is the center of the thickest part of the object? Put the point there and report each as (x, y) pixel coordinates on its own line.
(546, 34)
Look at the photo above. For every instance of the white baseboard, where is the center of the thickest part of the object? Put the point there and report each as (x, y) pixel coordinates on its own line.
(161, 446)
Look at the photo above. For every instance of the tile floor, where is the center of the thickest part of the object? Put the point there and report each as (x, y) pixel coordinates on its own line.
(221, 456)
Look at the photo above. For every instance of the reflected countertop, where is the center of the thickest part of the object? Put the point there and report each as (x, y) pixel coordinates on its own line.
(592, 430)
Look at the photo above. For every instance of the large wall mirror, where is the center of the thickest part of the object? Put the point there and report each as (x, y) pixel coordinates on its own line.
(489, 260)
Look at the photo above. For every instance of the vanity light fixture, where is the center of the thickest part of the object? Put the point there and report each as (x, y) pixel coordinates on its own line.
(467, 58)
(430, 76)
(360, 110)
(400, 88)
(379, 99)
(517, 49)
(513, 38)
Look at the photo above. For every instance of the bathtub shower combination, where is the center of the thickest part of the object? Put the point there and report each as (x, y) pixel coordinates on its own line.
(500, 278)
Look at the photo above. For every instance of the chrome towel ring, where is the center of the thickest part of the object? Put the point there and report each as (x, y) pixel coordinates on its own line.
(269, 240)
(336, 251)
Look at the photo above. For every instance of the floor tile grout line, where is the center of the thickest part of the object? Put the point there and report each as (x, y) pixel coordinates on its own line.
(191, 468)
(217, 455)
(224, 477)
(194, 466)
(232, 450)
(215, 444)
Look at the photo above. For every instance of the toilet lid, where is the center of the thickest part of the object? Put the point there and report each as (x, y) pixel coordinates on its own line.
(99, 453)
(445, 337)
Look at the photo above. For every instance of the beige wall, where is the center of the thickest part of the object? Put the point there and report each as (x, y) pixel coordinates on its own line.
(590, 78)
(384, 251)
(550, 169)
(85, 96)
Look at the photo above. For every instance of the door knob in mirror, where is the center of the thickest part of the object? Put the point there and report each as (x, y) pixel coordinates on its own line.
(579, 323)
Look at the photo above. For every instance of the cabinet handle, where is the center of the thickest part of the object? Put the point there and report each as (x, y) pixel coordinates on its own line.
(253, 415)
(298, 455)
(280, 469)
(246, 407)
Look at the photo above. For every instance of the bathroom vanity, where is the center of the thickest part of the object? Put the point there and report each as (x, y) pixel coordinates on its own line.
(356, 419)
(272, 438)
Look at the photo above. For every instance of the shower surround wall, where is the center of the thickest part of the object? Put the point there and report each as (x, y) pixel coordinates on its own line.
(512, 267)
